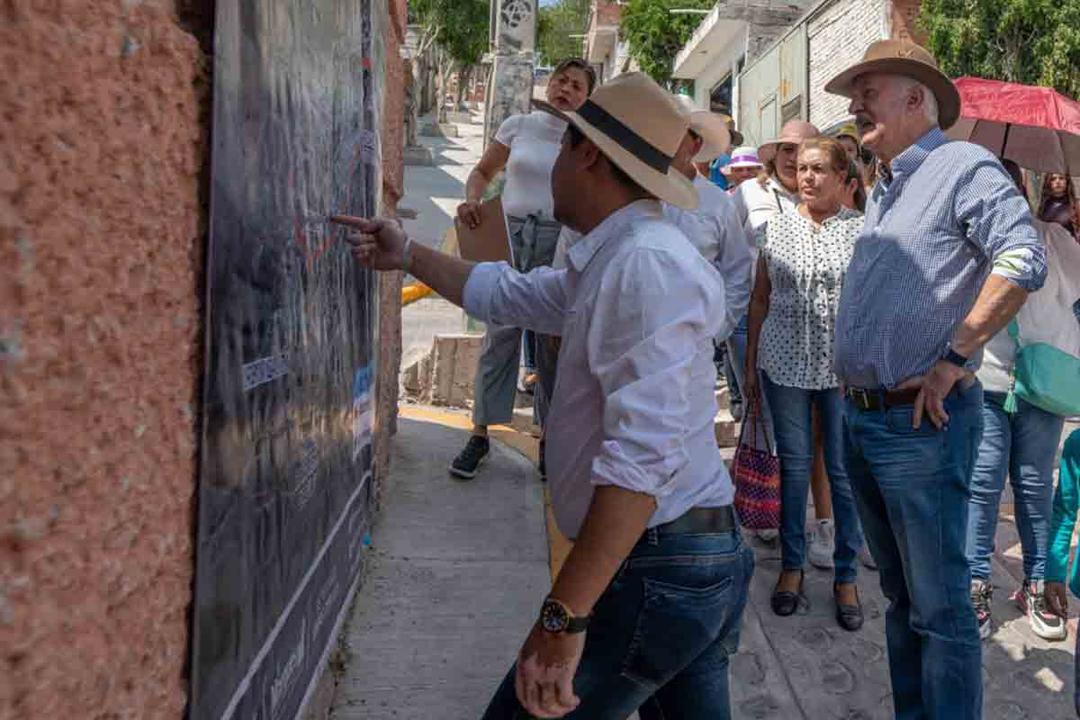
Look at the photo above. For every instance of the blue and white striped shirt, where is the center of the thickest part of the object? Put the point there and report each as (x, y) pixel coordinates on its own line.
(949, 216)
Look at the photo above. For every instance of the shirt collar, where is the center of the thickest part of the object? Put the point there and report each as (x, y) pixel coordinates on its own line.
(584, 249)
(909, 161)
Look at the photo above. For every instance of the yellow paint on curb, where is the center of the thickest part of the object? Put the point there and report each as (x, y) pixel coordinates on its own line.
(413, 292)
(558, 546)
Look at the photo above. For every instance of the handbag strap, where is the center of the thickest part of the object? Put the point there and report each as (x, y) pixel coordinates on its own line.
(756, 421)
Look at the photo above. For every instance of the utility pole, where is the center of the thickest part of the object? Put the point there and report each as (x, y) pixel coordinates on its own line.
(513, 40)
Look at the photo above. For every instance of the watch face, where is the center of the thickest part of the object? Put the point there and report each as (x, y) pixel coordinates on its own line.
(553, 617)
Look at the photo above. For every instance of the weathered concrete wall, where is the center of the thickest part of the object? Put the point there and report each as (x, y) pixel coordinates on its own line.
(101, 146)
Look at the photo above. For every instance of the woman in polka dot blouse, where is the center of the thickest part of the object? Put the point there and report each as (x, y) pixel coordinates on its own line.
(792, 320)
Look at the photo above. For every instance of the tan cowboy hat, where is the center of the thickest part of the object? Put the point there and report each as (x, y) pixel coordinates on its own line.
(793, 133)
(638, 126)
(903, 57)
(709, 126)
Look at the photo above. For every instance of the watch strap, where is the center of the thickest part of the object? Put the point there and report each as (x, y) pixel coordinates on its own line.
(955, 358)
(577, 624)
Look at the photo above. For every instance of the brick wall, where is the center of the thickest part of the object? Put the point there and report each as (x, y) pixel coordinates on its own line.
(838, 35)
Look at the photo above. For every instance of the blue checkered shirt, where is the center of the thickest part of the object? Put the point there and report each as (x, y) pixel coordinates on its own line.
(948, 217)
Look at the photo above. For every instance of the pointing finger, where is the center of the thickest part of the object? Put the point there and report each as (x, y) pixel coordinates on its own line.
(367, 225)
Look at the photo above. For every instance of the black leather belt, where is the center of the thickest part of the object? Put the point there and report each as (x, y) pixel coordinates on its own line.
(880, 399)
(699, 521)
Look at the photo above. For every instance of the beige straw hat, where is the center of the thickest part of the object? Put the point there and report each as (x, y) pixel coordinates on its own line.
(793, 133)
(710, 127)
(903, 57)
(637, 125)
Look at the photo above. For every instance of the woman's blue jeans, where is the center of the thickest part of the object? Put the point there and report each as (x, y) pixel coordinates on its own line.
(1021, 446)
(792, 425)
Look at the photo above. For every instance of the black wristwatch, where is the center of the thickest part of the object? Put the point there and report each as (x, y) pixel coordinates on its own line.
(954, 358)
(555, 617)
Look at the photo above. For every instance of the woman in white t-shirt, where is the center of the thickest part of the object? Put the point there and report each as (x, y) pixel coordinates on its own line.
(1020, 440)
(525, 146)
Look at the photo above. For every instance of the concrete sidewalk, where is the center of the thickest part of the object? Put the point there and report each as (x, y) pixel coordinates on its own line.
(434, 192)
(452, 586)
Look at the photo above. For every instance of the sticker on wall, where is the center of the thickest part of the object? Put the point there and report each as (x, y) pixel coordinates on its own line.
(362, 410)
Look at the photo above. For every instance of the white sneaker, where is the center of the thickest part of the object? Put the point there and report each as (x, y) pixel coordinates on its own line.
(821, 544)
(1044, 623)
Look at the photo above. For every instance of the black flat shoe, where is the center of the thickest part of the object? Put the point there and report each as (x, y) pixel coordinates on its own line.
(849, 617)
(786, 603)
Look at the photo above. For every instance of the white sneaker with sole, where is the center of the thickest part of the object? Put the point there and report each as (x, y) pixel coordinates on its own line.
(1044, 623)
(821, 543)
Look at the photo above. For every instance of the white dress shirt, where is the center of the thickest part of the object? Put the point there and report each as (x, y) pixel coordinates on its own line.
(637, 308)
(714, 229)
(756, 203)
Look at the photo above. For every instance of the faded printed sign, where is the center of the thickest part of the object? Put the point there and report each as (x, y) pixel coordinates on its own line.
(284, 486)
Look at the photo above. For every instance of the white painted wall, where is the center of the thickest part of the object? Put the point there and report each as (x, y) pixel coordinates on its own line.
(838, 34)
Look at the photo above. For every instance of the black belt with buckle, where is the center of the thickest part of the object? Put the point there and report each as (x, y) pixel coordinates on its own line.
(881, 399)
(699, 521)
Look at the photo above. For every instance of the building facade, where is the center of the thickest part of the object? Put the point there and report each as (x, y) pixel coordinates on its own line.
(764, 66)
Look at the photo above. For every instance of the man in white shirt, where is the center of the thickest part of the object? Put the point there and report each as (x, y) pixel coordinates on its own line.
(713, 227)
(636, 478)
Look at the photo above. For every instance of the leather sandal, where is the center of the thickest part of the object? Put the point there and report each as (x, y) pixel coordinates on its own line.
(849, 617)
(785, 603)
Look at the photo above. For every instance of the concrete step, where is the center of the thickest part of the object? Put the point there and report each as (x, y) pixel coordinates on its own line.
(723, 398)
(446, 130)
(419, 155)
(727, 429)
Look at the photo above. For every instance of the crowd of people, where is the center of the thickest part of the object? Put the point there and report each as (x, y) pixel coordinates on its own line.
(872, 292)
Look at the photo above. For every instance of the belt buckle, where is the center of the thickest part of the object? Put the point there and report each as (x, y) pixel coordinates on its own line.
(861, 398)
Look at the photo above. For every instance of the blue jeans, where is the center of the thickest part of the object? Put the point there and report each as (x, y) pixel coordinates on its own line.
(912, 491)
(1023, 446)
(791, 413)
(666, 627)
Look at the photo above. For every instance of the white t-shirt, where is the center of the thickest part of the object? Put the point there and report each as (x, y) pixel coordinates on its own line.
(534, 141)
(1046, 316)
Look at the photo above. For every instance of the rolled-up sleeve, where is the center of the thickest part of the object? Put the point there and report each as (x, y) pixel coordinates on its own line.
(496, 293)
(652, 319)
(998, 221)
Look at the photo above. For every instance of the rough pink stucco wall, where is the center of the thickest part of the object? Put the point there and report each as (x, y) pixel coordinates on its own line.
(101, 145)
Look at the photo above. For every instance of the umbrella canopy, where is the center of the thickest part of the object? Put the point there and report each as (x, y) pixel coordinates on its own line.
(1035, 127)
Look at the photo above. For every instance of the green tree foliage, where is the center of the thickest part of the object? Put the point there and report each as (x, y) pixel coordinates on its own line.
(655, 36)
(460, 27)
(556, 23)
(1036, 42)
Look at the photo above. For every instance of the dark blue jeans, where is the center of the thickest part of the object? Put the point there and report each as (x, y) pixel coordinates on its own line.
(665, 627)
(794, 430)
(912, 488)
(1022, 446)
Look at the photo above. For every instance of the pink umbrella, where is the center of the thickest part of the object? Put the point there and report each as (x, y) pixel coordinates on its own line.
(1035, 127)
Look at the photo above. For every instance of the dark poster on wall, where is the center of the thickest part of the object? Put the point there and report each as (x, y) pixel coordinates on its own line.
(284, 487)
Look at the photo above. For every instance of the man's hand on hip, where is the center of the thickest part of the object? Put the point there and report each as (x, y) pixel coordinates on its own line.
(377, 243)
(544, 679)
(934, 386)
